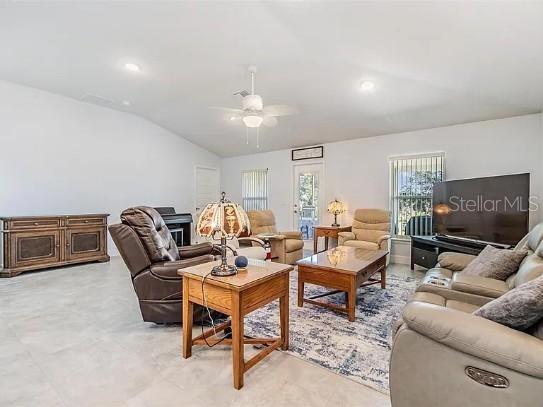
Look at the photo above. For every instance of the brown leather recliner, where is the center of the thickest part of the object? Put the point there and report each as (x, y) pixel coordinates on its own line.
(153, 258)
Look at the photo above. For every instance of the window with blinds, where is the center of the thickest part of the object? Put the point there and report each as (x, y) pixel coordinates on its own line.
(412, 179)
(254, 189)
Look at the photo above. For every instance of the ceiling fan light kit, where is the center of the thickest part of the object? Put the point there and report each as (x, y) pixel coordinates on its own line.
(252, 120)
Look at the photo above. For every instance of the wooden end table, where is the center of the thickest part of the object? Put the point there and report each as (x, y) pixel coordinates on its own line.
(326, 232)
(236, 296)
(343, 269)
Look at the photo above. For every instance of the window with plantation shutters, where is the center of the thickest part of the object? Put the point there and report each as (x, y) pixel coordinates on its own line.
(254, 189)
(412, 179)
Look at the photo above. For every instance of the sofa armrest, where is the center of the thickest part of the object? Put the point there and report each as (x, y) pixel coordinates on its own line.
(292, 235)
(169, 269)
(188, 252)
(253, 241)
(342, 237)
(454, 261)
(270, 237)
(382, 241)
(487, 287)
(477, 337)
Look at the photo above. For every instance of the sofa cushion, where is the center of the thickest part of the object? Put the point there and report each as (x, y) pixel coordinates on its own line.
(538, 330)
(130, 248)
(455, 261)
(361, 244)
(436, 299)
(369, 235)
(262, 222)
(152, 231)
(255, 252)
(371, 224)
(169, 270)
(495, 263)
(429, 298)
(530, 268)
(291, 245)
(195, 250)
(293, 234)
(472, 335)
(520, 308)
(535, 237)
(461, 306)
(439, 272)
(487, 287)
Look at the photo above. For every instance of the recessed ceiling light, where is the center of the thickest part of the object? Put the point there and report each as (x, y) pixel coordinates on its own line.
(126, 103)
(132, 67)
(367, 86)
(232, 118)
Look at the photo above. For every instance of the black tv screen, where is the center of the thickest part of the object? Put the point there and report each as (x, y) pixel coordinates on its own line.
(491, 209)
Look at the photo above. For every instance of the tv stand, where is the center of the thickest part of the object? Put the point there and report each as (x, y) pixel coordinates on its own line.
(426, 249)
(465, 241)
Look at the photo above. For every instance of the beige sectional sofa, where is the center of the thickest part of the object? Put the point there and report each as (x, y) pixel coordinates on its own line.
(444, 356)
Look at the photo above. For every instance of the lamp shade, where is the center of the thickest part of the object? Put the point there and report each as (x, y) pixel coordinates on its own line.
(223, 218)
(336, 207)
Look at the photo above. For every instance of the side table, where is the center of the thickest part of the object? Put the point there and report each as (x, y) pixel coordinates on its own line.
(326, 232)
(236, 296)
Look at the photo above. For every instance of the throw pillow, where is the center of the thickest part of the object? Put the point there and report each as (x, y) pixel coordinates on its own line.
(520, 308)
(495, 263)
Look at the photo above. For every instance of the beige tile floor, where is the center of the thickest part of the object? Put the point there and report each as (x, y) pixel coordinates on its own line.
(74, 337)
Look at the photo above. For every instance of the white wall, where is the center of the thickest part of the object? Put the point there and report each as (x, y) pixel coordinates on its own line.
(357, 171)
(61, 156)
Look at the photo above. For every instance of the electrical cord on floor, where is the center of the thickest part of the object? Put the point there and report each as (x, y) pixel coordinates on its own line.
(206, 308)
(202, 316)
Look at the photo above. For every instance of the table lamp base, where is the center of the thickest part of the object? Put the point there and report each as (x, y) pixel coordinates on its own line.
(224, 270)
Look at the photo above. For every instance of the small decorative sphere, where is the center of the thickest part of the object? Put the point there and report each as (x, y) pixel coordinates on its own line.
(241, 261)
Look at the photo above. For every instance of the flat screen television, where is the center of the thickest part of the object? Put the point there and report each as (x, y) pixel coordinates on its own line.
(490, 209)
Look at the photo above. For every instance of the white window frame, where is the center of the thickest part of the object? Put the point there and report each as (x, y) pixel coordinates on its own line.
(397, 225)
(261, 202)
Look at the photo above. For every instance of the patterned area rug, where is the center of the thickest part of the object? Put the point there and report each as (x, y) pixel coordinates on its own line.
(359, 350)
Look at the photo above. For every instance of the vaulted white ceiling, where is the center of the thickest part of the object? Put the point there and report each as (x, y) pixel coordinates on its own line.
(433, 64)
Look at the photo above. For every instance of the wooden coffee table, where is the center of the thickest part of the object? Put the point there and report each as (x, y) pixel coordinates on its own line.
(236, 296)
(343, 269)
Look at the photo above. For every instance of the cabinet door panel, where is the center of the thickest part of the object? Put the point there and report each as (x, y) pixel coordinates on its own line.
(35, 248)
(85, 243)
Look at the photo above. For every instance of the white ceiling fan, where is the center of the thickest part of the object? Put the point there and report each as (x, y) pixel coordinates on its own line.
(253, 112)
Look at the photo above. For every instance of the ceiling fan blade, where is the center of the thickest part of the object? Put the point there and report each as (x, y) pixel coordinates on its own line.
(279, 110)
(270, 121)
(228, 110)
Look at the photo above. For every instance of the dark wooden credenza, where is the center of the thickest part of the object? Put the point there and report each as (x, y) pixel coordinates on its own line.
(37, 242)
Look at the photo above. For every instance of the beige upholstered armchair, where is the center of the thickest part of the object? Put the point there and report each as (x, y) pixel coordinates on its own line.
(371, 230)
(286, 247)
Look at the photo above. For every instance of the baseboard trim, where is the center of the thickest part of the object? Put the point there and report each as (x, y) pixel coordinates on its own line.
(397, 259)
